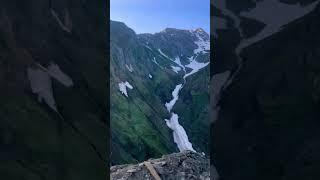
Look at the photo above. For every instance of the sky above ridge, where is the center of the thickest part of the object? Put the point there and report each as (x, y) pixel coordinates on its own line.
(150, 16)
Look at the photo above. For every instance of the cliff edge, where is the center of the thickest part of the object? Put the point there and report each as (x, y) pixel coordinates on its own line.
(183, 165)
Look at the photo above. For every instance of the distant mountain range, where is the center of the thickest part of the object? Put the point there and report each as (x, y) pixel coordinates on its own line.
(159, 92)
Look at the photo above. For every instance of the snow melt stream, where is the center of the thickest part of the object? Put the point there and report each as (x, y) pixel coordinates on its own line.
(175, 95)
(180, 136)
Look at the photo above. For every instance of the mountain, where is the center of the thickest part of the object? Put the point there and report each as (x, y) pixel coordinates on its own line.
(159, 92)
(53, 90)
(265, 95)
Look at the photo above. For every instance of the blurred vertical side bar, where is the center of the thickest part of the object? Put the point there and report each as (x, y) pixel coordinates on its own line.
(214, 175)
(265, 89)
(53, 90)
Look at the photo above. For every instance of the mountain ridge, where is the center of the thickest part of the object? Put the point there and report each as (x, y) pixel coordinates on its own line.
(199, 29)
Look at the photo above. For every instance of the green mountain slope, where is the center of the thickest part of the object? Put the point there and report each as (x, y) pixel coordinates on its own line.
(144, 66)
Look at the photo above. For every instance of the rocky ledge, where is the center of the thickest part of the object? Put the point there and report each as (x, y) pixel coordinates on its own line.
(184, 165)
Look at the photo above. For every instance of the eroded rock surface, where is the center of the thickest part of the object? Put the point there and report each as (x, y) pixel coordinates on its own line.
(184, 165)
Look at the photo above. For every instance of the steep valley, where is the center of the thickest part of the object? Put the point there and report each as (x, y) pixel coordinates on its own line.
(159, 92)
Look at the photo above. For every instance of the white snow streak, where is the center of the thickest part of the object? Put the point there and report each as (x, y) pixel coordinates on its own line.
(155, 61)
(130, 69)
(123, 87)
(175, 95)
(55, 72)
(177, 61)
(176, 69)
(180, 136)
(148, 47)
(40, 83)
(203, 46)
(195, 66)
(163, 54)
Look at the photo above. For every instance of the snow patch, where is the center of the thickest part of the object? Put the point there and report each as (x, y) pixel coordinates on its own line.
(175, 95)
(123, 87)
(55, 72)
(177, 61)
(176, 69)
(203, 46)
(41, 84)
(163, 54)
(130, 69)
(180, 136)
(195, 66)
(156, 62)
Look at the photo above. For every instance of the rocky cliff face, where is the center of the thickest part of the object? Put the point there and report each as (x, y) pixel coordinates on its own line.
(266, 106)
(53, 90)
(184, 165)
(159, 92)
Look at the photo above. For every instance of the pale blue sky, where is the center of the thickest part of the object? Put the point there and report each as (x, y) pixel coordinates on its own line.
(150, 16)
